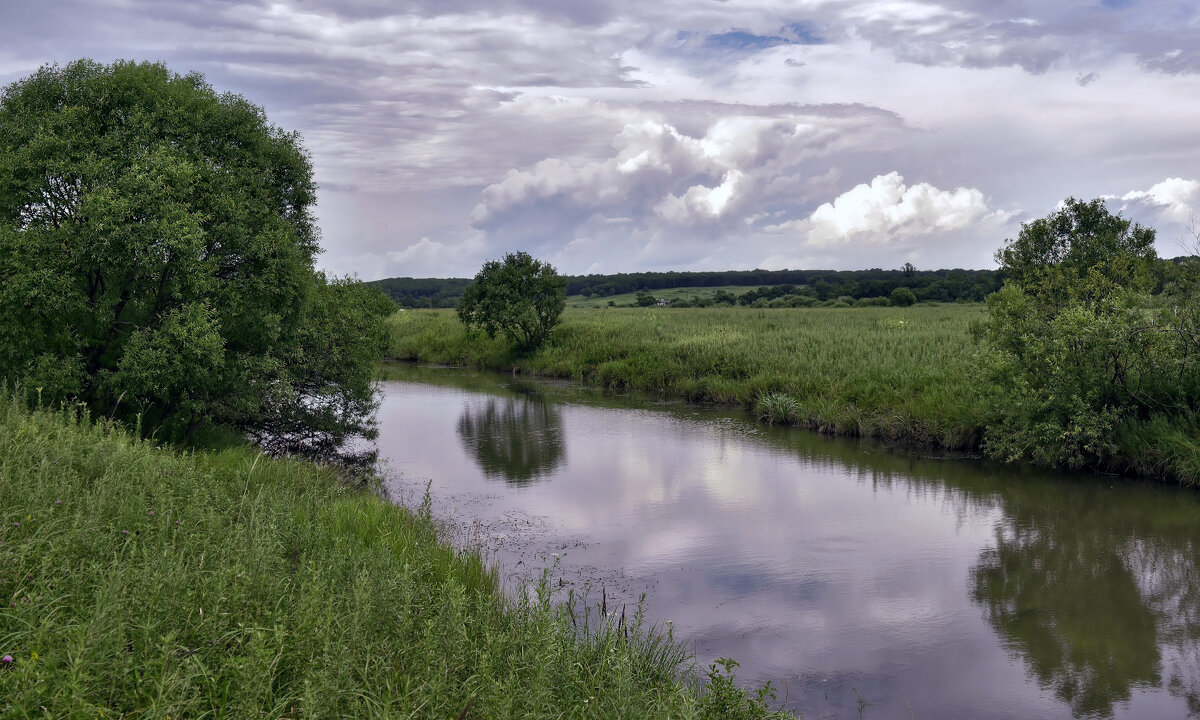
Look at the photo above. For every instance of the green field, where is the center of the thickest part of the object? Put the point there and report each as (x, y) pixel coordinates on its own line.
(138, 581)
(897, 373)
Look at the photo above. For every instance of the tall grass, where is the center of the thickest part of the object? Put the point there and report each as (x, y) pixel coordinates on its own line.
(897, 373)
(137, 581)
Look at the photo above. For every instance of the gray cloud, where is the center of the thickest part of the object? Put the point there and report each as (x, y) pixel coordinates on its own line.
(624, 135)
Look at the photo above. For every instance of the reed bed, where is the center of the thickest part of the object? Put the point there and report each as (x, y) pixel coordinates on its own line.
(904, 374)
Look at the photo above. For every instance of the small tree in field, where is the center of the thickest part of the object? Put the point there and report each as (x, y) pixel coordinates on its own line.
(519, 297)
(902, 297)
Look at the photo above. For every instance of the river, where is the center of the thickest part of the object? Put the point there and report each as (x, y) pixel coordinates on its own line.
(859, 581)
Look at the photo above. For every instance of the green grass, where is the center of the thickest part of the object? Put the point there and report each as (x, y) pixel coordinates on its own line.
(142, 582)
(903, 374)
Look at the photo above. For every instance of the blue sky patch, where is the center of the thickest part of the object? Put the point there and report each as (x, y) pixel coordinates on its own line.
(797, 33)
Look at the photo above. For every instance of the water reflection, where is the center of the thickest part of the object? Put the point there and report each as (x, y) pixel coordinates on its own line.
(931, 588)
(519, 439)
(1094, 598)
(1071, 609)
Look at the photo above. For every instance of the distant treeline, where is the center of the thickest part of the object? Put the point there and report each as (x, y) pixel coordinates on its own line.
(936, 285)
(423, 292)
(927, 285)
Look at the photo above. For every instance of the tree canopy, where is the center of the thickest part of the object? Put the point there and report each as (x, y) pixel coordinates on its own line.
(1083, 358)
(157, 253)
(519, 297)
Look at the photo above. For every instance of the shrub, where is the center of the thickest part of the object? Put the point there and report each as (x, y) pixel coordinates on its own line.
(902, 297)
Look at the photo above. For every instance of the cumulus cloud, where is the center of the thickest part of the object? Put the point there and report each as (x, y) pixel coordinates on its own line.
(1174, 201)
(1174, 198)
(887, 209)
(433, 257)
(660, 176)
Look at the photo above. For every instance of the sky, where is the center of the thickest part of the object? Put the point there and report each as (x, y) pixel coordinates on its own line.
(629, 135)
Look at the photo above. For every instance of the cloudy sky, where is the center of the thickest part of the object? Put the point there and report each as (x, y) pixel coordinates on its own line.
(620, 135)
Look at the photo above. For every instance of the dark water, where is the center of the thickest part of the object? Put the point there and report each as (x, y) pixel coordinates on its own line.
(928, 587)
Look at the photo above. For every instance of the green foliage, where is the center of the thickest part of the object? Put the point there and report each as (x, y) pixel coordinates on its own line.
(1081, 253)
(724, 699)
(423, 292)
(902, 297)
(519, 297)
(156, 260)
(141, 582)
(1078, 351)
(645, 299)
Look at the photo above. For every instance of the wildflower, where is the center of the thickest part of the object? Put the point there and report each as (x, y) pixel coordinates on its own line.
(7, 659)
(151, 513)
(124, 532)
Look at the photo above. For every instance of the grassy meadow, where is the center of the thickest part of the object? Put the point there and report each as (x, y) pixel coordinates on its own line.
(897, 373)
(139, 581)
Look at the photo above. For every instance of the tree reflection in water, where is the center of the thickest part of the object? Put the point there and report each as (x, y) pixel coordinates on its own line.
(1097, 601)
(517, 439)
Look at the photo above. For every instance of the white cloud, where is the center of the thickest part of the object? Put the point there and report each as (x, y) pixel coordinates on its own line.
(1175, 198)
(428, 257)
(660, 177)
(887, 209)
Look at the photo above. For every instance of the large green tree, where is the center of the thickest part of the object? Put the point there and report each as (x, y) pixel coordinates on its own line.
(156, 261)
(519, 296)
(1082, 355)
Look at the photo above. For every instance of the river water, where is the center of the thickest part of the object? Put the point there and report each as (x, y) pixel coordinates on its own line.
(860, 582)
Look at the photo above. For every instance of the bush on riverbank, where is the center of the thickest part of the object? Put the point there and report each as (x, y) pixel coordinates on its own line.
(140, 580)
(1080, 355)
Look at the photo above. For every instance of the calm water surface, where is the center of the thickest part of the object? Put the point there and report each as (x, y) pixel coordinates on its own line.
(929, 587)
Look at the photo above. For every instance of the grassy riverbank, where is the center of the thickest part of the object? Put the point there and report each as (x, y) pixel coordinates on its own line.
(138, 581)
(902, 374)
(908, 375)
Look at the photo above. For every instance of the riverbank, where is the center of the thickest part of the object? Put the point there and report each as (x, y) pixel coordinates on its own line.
(904, 375)
(900, 374)
(141, 580)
